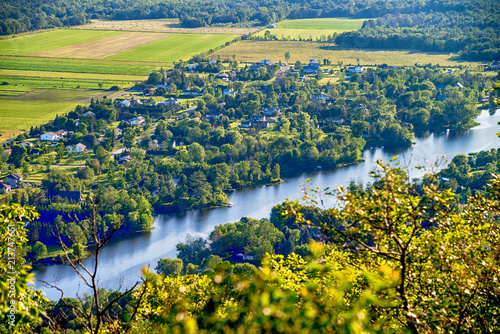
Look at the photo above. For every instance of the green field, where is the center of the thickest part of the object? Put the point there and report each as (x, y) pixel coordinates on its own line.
(324, 23)
(315, 29)
(77, 65)
(19, 113)
(45, 41)
(69, 75)
(174, 48)
(301, 34)
(33, 82)
(252, 51)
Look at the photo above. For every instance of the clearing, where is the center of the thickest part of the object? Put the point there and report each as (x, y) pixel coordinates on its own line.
(103, 47)
(254, 51)
(323, 23)
(168, 26)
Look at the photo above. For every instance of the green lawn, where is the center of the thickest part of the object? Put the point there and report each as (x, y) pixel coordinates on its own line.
(50, 40)
(323, 23)
(77, 65)
(174, 48)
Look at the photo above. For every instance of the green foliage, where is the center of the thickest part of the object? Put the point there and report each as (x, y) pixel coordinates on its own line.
(169, 267)
(20, 304)
(445, 257)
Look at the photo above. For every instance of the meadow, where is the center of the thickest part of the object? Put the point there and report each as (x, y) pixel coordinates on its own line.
(174, 48)
(59, 83)
(77, 65)
(166, 25)
(253, 51)
(45, 41)
(323, 23)
(20, 113)
(315, 29)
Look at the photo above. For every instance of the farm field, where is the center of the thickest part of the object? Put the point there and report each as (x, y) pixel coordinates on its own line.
(77, 65)
(50, 40)
(300, 34)
(323, 23)
(315, 29)
(19, 113)
(168, 26)
(69, 75)
(174, 48)
(57, 83)
(252, 51)
(104, 47)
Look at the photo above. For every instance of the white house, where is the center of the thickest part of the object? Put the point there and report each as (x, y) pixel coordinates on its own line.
(192, 66)
(89, 113)
(78, 148)
(26, 144)
(495, 65)
(138, 121)
(357, 69)
(50, 136)
(125, 103)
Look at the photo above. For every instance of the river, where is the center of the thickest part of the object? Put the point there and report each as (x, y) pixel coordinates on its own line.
(121, 261)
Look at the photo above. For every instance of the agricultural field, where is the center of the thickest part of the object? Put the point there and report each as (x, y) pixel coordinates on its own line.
(323, 23)
(167, 26)
(253, 51)
(20, 113)
(315, 29)
(78, 65)
(25, 45)
(104, 47)
(174, 48)
(70, 75)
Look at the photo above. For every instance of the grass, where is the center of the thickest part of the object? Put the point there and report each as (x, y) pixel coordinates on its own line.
(19, 113)
(69, 75)
(77, 65)
(300, 34)
(163, 25)
(253, 51)
(45, 41)
(58, 83)
(174, 48)
(323, 23)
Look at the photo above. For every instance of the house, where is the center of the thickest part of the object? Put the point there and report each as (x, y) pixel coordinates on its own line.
(154, 143)
(61, 133)
(4, 188)
(138, 121)
(71, 196)
(271, 26)
(155, 191)
(228, 91)
(89, 113)
(216, 116)
(192, 67)
(50, 136)
(495, 65)
(310, 69)
(125, 159)
(460, 86)
(170, 102)
(26, 144)
(272, 120)
(357, 69)
(79, 148)
(14, 180)
(7, 151)
(245, 257)
(125, 103)
(257, 118)
(267, 62)
(320, 98)
(212, 61)
(221, 76)
(263, 124)
(119, 131)
(246, 125)
(271, 111)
